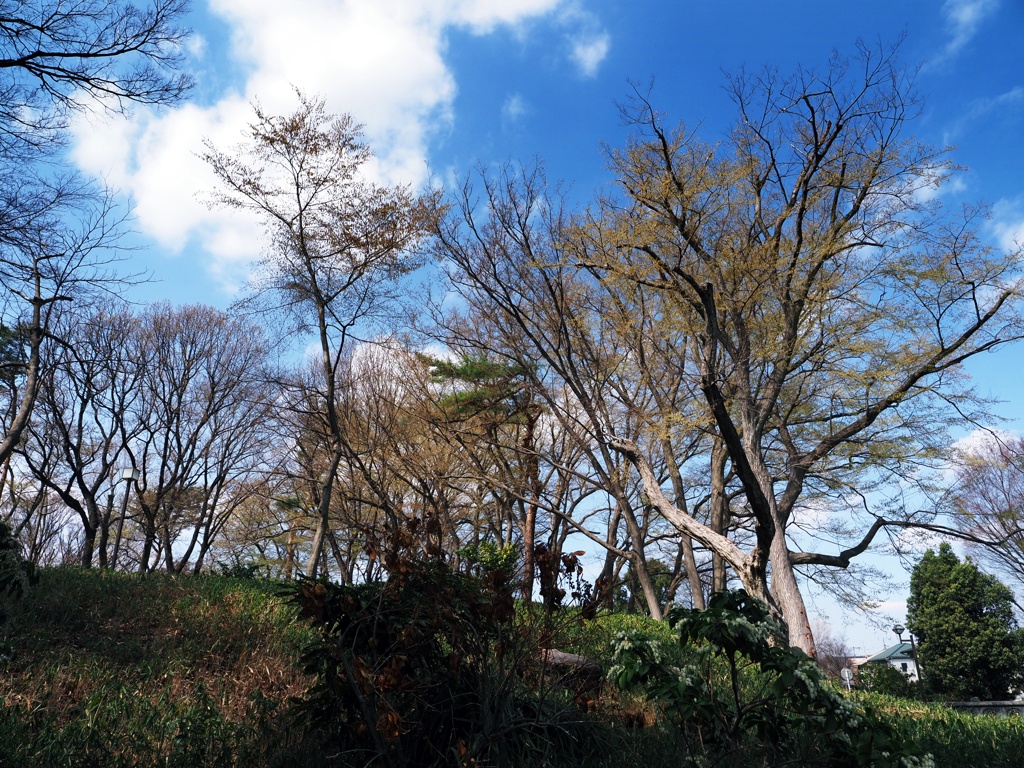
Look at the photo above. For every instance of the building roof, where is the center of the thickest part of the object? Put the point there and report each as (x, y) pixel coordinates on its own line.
(898, 652)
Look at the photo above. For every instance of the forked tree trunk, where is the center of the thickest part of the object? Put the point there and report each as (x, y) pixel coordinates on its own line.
(323, 516)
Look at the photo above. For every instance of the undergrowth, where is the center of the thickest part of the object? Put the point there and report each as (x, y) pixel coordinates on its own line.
(111, 669)
(108, 669)
(956, 739)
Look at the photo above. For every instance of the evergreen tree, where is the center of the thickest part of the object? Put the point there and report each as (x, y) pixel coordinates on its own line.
(968, 639)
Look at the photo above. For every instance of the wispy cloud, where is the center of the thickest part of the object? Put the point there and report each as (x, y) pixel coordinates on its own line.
(588, 41)
(937, 183)
(963, 18)
(514, 108)
(985, 109)
(1008, 223)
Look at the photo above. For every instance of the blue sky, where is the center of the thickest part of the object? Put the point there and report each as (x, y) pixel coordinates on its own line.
(442, 85)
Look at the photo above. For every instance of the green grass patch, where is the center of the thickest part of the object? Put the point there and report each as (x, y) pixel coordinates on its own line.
(956, 739)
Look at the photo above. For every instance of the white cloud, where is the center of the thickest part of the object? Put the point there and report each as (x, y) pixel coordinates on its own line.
(589, 51)
(980, 441)
(382, 62)
(154, 159)
(513, 108)
(1008, 223)
(588, 42)
(963, 17)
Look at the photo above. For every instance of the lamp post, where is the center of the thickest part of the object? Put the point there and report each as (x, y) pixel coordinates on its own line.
(899, 629)
(130, 476)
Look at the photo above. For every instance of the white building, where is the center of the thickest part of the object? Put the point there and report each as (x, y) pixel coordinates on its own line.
(900, 657)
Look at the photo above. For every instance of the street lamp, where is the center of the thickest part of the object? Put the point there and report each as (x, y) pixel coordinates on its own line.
(129, 475)
(899, 629)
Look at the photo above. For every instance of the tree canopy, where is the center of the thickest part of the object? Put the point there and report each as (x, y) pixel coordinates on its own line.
(968, 639)
(784, 313)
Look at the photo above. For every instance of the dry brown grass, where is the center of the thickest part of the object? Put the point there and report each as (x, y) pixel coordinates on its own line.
(81, 633)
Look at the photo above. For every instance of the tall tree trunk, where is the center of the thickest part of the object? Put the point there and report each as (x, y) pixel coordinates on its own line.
(607, 575)
(105, 529)
(532, 461)
(686, 542)
(692, 576)
(786, 592)
(149, 532)
(719, 512)
(88, 545)
(168, 546)
(30, 391)
(339, 557)
(638, 563)
(289, 554)
(197, 530)
(323, 515)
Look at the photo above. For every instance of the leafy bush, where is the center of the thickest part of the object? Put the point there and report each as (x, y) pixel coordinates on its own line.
(746, 700)
(596, 639)
(437, 668)
(886, 680)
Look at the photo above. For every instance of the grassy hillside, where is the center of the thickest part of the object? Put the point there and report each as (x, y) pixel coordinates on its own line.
(116, 669)
(105, 669)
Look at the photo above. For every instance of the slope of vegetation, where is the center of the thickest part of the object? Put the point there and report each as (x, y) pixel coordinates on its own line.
(107, 669)
(111, 669)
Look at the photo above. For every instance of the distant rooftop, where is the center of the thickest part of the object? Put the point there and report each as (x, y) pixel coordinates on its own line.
(896, 652)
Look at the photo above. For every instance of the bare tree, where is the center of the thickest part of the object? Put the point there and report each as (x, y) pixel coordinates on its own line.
(57, 231)
(57, 58)
(57, 239)
(986, 498)
(205, 411)
(35, 516)
(832, 305)
(336, 243)
(834, 652)
(85, 419)
(527, 307)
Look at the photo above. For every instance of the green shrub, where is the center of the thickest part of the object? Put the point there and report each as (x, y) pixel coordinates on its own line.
(748, 700)
(886, 680)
